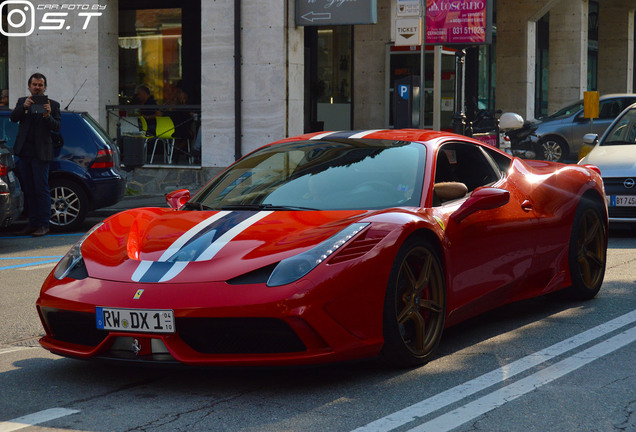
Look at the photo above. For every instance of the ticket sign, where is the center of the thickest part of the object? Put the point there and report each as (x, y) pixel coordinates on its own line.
(458, 22)
(336, 12)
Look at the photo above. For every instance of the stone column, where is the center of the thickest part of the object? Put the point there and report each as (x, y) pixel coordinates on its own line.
(271, 77)
(616, 46)
(568, 53)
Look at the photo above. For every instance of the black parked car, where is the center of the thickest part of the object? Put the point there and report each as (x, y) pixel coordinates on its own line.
(85, 174)
(11, 197)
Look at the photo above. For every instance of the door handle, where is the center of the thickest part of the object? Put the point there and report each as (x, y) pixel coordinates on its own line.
(527, 206)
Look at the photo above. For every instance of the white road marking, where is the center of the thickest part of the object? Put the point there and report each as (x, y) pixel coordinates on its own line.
(36, 418)
(472, 410)
(10, 350)
(462, 391)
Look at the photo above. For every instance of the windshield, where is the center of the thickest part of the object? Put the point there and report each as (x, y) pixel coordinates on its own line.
(567, 111)
(623, 131)
(321, 175)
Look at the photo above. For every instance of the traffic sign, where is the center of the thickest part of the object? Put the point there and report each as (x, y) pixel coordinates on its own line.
(336, 12)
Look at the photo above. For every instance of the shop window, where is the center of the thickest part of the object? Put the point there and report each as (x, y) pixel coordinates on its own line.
(329, 77)
(150, 48)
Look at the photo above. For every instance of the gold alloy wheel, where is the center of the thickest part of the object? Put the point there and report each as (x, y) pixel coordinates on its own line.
(420, 301)
(590, 252)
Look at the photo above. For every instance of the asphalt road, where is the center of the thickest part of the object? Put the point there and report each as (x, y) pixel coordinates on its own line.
(539, 365)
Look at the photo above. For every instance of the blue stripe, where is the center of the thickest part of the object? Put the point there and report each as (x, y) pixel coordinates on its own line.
(29, 265)
(156, 271)
(199, 243)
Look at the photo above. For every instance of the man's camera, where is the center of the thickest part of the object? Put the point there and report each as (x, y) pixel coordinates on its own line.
(37, 107)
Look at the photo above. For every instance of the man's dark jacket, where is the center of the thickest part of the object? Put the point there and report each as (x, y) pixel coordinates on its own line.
(42, 129)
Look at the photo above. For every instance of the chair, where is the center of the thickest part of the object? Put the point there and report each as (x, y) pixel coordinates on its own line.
(162, 130)
(159, 130)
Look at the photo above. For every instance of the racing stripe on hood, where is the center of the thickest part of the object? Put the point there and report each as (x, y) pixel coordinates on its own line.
(200, 243)
(344, 134)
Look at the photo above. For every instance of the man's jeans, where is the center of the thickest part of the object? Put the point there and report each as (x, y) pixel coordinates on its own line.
(34, 179)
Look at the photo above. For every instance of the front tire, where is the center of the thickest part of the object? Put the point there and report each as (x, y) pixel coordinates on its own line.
(69, 205)
(414, 305)
(588, 251)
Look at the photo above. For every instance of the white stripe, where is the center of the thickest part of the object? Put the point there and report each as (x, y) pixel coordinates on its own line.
(326, 134)
(10, 350)
(178, 244)
(471, 411)
(36, 418)
(455, 394)
(176, 268)
(365, 133)
(215, 247)
(142, 268)
(175, 248)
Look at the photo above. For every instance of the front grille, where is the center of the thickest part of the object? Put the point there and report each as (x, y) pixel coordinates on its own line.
(238, 335)
(622, 212)
(616, 186)
(73, 327)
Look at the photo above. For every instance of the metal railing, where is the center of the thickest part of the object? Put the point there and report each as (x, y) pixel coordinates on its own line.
(156, 135)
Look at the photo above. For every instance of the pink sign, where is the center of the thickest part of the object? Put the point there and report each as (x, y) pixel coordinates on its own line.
(459, 22)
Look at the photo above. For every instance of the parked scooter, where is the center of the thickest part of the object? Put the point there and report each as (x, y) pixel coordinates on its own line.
(519, 139)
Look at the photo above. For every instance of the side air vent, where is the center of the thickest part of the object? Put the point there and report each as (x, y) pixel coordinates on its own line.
(355, 249)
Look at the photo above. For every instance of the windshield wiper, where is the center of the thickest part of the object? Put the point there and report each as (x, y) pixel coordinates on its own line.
(264, 207)
(190, 205)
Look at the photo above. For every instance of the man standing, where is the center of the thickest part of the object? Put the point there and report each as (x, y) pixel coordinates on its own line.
(38, 117)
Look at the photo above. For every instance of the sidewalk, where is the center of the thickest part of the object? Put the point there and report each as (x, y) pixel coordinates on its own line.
(130, 202)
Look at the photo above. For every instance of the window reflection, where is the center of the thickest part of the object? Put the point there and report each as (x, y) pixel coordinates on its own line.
(150, 52)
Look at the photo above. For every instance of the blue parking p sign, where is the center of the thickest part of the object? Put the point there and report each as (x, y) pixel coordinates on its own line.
(403, 91)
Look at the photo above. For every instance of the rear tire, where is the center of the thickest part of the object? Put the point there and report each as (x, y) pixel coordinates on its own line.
(553, 149)
(414, 305)
(69, 205)
(588, 251)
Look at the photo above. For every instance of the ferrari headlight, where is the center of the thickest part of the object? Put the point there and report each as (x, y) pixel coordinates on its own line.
(73, 258)
(293, 268)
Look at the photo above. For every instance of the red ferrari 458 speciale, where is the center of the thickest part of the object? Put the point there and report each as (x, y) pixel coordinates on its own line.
(328, 247)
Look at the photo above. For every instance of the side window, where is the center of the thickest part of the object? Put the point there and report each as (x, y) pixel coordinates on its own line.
(8, 131)
(501, 161)
(461, 168)
(470, 165)
(609, 109)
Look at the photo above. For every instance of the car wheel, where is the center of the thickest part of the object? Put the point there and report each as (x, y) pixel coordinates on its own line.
(68, 205)
(588, 251)
(414, 305)
(554, 149)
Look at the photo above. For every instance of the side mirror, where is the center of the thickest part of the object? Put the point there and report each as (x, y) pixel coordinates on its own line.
(177, 199)
(510, 121)
(590, 139)
(482, 199)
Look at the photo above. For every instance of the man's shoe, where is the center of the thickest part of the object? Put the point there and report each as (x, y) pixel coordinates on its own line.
(26, 230)
(40, 232)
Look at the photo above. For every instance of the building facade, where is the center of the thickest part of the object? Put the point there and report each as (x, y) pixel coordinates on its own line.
(252, 75)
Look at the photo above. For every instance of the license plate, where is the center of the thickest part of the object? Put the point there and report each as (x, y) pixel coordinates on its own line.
(135, 320)
(623, 201)
(11, 177)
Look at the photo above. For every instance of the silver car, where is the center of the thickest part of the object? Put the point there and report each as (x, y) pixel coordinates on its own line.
(615, 155)
(559, 136)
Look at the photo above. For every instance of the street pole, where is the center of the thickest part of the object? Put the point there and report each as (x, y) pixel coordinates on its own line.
(459, 118)
(422, 60)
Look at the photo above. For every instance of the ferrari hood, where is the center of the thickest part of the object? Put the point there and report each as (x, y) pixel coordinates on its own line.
(153, 245)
